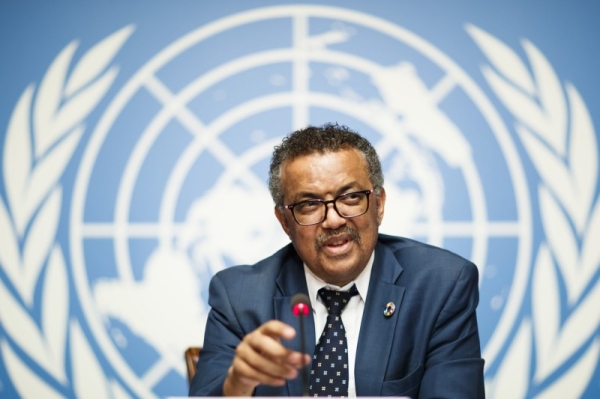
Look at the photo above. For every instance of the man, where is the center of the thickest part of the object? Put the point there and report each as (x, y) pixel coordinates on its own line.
(410, 323)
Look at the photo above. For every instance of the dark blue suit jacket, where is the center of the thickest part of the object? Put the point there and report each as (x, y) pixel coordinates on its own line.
(429, 347)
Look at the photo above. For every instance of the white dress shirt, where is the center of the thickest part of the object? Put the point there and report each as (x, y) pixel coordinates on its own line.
(351, 315)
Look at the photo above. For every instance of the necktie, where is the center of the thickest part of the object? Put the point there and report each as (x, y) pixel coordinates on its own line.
(329, 373)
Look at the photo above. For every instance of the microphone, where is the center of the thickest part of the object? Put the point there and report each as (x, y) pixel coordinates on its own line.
(300, 308)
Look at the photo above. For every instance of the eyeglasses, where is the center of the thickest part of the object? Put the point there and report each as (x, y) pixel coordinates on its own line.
(314, 211)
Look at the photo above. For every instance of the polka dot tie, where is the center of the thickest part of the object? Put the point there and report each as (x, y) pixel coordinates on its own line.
(329, 373)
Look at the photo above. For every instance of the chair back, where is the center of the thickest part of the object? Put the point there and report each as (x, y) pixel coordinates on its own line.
(192, 354)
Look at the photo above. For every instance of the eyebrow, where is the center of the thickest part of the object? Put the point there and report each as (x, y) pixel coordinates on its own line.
(307, 195)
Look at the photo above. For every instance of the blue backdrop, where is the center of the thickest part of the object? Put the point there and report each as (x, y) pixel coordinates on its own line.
(135, 140)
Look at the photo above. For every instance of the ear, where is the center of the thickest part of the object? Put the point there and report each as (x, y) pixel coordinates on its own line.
(380, 200)
(279, 214)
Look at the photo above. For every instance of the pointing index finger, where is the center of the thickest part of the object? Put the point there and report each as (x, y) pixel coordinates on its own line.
(278, 329)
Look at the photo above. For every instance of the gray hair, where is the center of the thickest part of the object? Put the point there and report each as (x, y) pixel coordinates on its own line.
(329, 137)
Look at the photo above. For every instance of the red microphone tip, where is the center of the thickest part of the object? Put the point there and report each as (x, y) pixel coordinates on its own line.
(300, 305)
(300, 309)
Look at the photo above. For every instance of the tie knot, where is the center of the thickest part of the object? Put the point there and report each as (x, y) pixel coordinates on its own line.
(336, 301)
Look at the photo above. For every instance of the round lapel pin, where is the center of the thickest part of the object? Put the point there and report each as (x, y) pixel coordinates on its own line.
(389, 309)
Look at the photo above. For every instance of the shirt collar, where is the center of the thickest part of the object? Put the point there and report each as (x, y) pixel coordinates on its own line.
(314, 283)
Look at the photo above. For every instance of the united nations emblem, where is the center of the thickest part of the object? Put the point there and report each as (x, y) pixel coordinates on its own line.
(171, 188)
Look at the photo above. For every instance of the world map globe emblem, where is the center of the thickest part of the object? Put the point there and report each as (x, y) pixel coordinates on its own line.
(172, 186)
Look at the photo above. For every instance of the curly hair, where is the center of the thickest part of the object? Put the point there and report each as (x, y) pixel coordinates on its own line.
(329, 137)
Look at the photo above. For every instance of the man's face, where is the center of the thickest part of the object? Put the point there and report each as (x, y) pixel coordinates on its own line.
(337, 249)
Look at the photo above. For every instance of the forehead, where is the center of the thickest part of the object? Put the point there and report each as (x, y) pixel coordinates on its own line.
(325, 172)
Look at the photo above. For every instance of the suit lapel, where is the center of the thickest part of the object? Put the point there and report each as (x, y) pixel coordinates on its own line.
(291, 281)
(377, 331)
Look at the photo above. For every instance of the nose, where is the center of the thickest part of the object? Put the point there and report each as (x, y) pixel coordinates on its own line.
(333, 220)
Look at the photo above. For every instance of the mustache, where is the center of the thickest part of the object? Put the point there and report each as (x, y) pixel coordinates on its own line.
(346, 230)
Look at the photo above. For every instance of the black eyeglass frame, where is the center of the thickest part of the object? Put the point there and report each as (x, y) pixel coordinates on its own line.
(326, 203)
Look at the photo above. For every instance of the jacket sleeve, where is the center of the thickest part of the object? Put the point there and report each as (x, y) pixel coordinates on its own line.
(222, 335)
(454, 367)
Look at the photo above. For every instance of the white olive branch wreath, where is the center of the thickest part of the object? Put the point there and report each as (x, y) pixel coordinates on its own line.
(43, 132)
(556, 130)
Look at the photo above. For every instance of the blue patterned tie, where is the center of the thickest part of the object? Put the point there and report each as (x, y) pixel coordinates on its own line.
(329, 373)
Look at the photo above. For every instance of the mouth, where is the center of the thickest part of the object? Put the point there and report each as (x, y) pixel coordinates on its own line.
(337, 243)
(337, 246)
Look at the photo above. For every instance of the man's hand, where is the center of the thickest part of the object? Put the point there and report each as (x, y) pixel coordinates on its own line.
(261, 359)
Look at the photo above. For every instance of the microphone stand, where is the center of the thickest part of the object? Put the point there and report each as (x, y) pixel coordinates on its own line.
(300, 308)
(303, 349)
